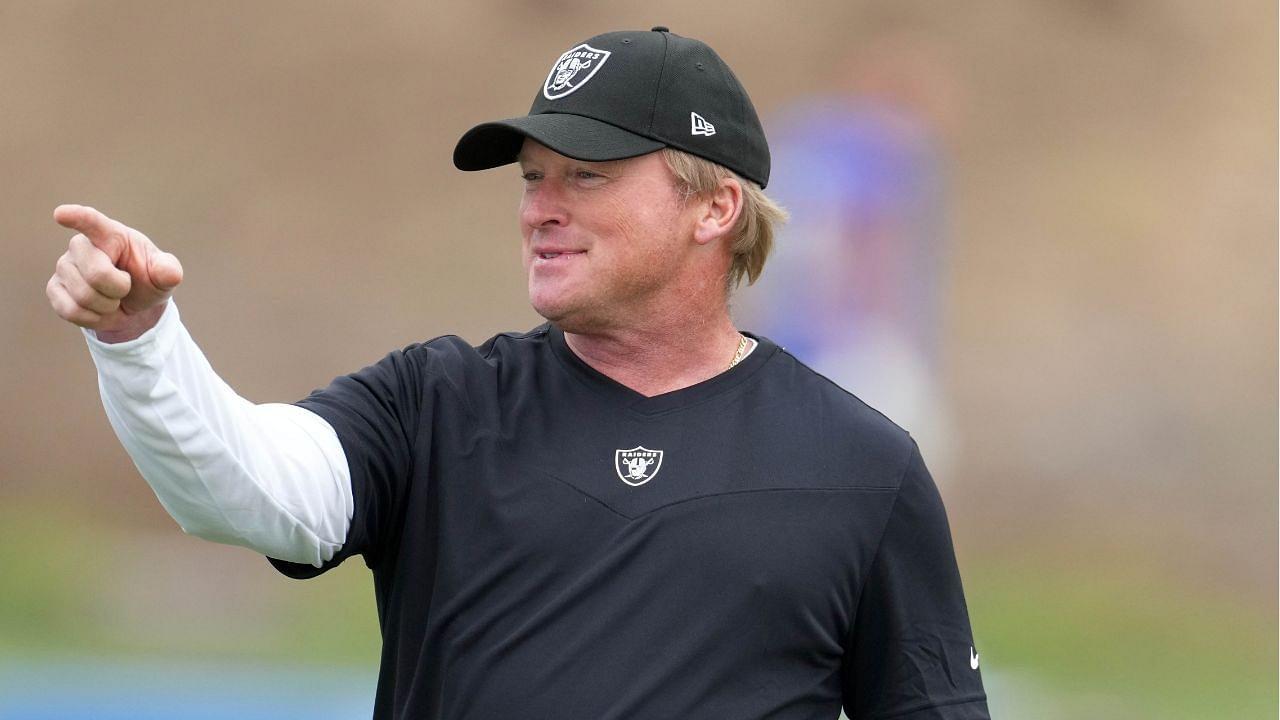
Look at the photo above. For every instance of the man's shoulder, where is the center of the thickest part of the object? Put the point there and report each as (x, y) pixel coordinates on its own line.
(851, 430)
(500, 346)
(451, 361)
(455, 351)
(848, 408)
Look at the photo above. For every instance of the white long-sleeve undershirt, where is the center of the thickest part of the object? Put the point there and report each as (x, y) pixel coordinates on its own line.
(271, 477)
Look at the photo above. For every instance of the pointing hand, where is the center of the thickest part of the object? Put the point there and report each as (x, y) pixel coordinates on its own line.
(112, 279)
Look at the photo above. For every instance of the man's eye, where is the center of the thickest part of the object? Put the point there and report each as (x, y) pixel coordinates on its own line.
(531, 176)
(587, 175)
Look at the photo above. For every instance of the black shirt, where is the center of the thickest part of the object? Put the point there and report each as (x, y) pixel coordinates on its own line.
(548, 544)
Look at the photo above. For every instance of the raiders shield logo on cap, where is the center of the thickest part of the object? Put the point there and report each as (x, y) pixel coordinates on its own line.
(638, 465)
(572, 70)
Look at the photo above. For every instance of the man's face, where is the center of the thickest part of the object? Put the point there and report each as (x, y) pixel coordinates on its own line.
(601, 241)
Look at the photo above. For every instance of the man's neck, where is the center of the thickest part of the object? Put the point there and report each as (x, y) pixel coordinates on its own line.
(658, 359)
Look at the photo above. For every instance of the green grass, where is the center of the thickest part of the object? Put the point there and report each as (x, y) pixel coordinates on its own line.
(45, 572)
(67, 592)
(1124, 643)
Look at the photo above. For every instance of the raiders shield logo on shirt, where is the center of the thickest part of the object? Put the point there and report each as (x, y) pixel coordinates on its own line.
(572, 70)
(638, 465)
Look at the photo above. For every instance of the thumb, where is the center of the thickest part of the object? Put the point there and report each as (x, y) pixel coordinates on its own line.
(164, 271)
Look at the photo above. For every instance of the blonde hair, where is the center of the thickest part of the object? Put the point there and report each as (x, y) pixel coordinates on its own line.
(752, 236)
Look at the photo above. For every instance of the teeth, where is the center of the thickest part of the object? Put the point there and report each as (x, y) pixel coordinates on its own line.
(548, 256)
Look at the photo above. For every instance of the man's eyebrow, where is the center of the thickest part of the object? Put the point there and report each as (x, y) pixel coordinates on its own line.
(609, 165)
(605, 166)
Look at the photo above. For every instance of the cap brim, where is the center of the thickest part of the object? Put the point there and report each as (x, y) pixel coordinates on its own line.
(493, 144)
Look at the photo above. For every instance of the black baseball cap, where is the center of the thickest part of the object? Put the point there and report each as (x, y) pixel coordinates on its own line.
(628, 93)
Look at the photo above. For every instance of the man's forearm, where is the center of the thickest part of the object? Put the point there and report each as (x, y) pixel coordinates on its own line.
(271, 477)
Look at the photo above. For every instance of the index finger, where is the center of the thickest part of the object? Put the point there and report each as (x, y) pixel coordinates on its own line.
(105, 233)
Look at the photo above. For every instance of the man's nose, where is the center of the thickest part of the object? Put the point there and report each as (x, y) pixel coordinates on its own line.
(543, 205)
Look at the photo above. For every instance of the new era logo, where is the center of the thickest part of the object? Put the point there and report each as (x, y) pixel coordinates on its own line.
(700, 125)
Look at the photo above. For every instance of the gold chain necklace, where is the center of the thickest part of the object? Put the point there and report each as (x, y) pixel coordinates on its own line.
(742, 351)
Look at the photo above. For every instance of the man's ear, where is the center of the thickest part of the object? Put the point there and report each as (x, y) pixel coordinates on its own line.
(719, 212)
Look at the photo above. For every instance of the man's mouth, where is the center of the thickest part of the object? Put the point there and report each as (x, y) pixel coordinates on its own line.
(552, 255)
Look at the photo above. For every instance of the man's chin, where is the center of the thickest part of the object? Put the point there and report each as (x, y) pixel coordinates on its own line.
(554, 312)
(566, 316)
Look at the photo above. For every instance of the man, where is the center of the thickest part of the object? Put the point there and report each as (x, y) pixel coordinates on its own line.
(633, 511)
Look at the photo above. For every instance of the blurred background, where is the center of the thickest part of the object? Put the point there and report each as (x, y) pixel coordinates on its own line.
(1040, 234)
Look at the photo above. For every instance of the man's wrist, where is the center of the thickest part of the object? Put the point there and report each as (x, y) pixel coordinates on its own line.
(155, 339)
(134, 326)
